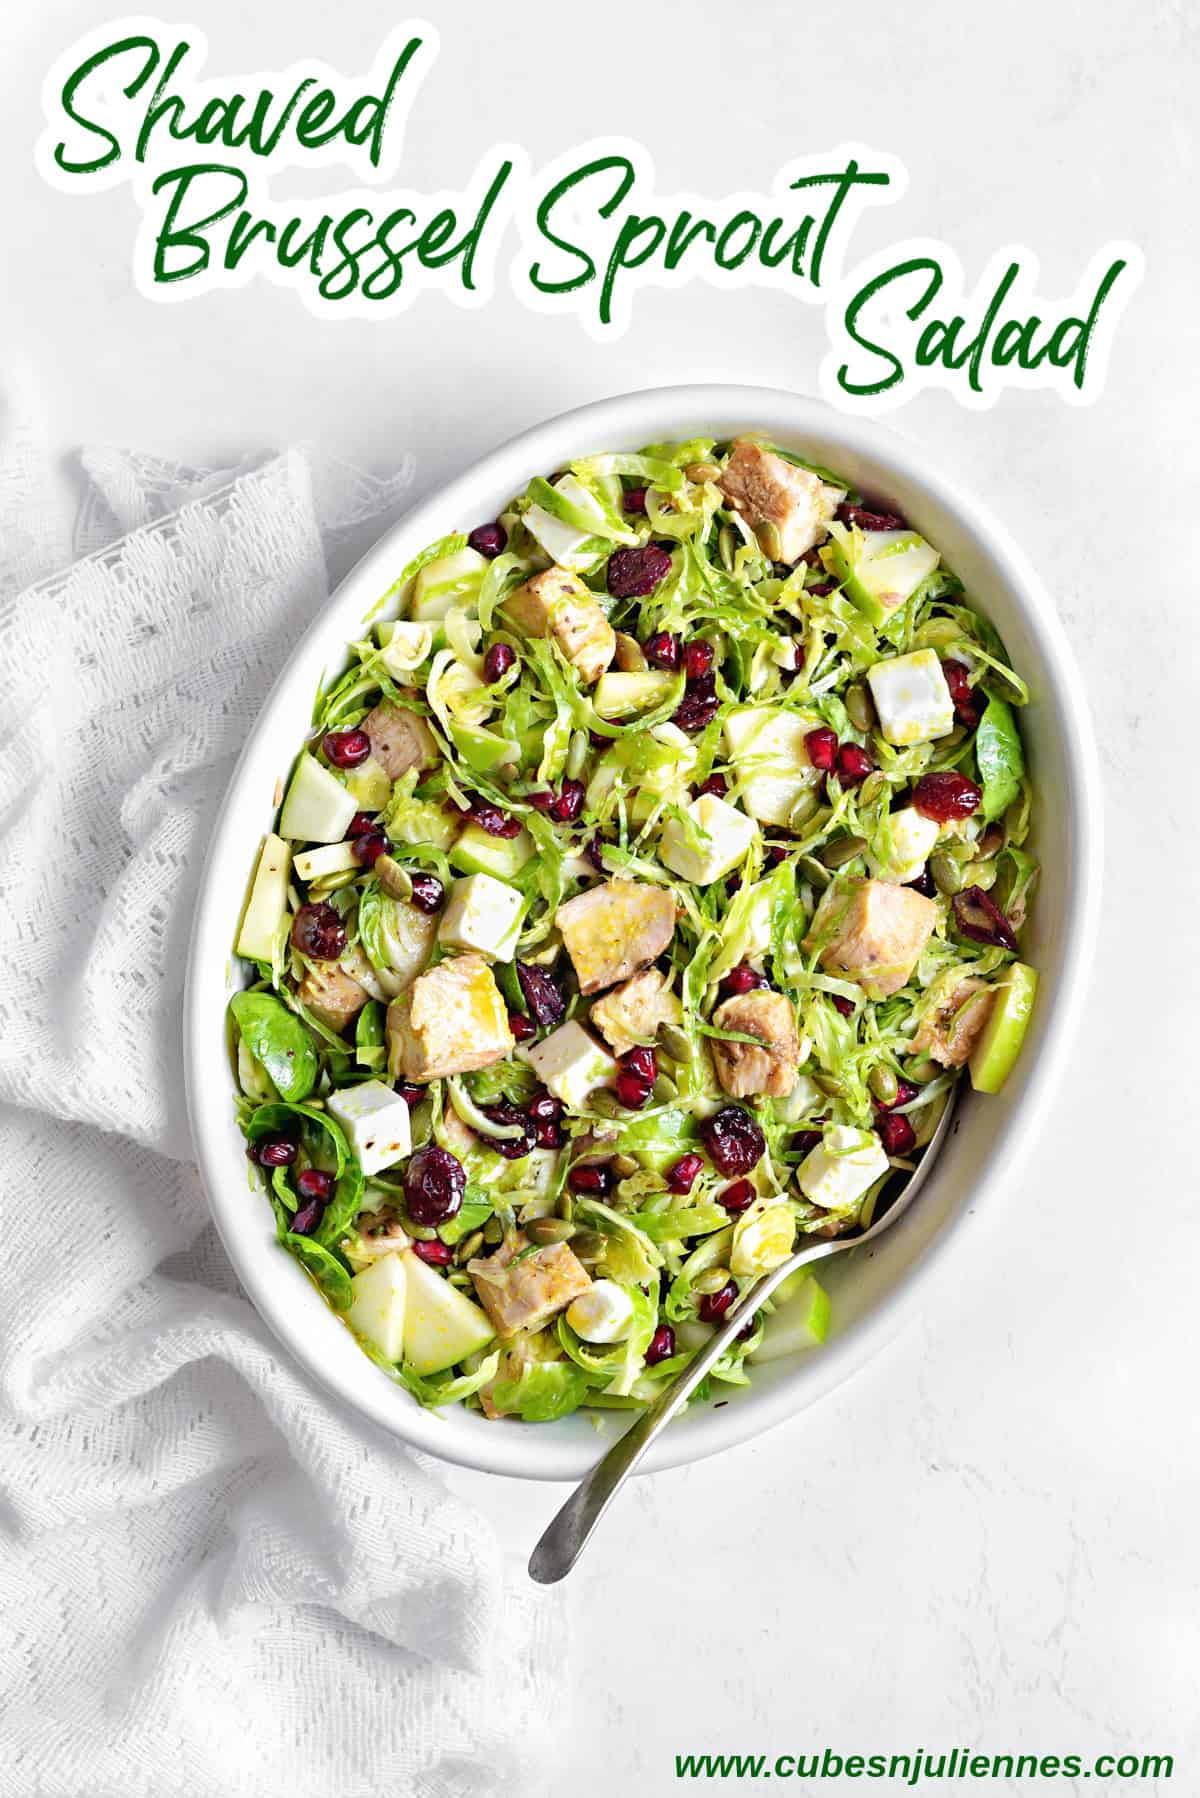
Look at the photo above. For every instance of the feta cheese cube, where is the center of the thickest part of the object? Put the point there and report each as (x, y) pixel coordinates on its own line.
(376, 1122)
(604, 1313)
(562, 542)
(482, 913)
(912, 698)
(901, 844)
(571, 1063)
(844, 1165)
(377, 1309)
(718, 840)
(770, 759)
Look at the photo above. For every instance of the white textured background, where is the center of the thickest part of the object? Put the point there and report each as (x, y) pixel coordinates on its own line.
(989, 1537)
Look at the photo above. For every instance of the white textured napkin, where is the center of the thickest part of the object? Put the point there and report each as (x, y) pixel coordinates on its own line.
(211, 1580)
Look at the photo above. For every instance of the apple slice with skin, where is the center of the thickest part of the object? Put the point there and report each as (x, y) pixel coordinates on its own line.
(1000, 1041)
(380, 1304)
(441, 1324)
(801, 1321)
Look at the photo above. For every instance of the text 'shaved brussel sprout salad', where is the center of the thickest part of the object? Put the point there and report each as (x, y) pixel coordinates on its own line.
(642, 889)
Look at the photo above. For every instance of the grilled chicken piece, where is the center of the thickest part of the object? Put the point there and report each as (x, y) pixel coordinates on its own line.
(523, 1294)
(872, 932)
(332, 995)
(556, 604)
(632, 1012)
(450, 1020)
(613, 930)
(788, 507)
(950, 1029)
(744, 1070)
(400, 740)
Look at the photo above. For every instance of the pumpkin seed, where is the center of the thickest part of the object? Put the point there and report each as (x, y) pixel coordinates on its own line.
(830, 1085)
(712, 1281)
(566, 1205)
(883, 1084)
(395, 880)
(625, 1164)
(419, 1232)
(803, 809)
(921, 1070)
(873, 788)
(860, 708)
(948, 876)
(675, 1043)
(702, 471)
(629, 657)
(469, 1247)
(727, 544)
(770, 540)
(493, 1230)
(549, 1229)
(840, 851)
(589, 1245)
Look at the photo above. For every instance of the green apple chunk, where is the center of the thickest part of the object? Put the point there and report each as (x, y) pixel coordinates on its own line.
(476, 852)
(267, 903)
(441, 1324)
(379, 1306)
(446, 582)
(625, 695)
(799, 1321)
(879, 571)
(317, 808)
(1000, 1041)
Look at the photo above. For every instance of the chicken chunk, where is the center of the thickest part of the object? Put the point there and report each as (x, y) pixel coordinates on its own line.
(744, 1070)
(332, 995)
(952, 1026)
(556, 604)
(632, 1013)
(872, 932)
(400, 740)
(788, 507)
(450, 1020)
(613, 930)
(522, 1292)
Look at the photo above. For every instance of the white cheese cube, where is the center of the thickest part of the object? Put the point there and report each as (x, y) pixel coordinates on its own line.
(762, 1240)
(376, 1122)
(482, 913)
(563, 542)
(377, 1309)
(770, 759)
(901, 844)
(842, 1167)
(571, 1064)
(912, 698)
(703, 858)
(604, 1313)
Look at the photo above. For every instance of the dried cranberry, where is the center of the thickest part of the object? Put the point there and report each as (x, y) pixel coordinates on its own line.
(733, 1139)
(738, 1196)
(434, 1183)
(634, 500)
(362, 824)
(542, 995)
(411, 1093)
(845, 1006)
(821, 589)
(548, 1136)
(906, 1092)
(522, 1027)
(369, 848)
(699, 704)
(632, 1091)
(590, 1177)
(716, 784)
(318, 931)
(643, 1062)
(924, 884)
(896, 1133)
(714, 1305)
(511, 1147)
(488, 540)
(306, 1217)
(497, 662)
(661, 1345)
(775, 853)
(853, 764)
(867, 520)
(541, 801)
(494, 821)
(945, 796)
(822, 747)
(347, 748)
(980, 918)
(743, 979)
(275, 1151)
(698, 659)
(958, 679)
(427, 892)
(567, 807)
(681, 1176)
(434, 1254)
(315, 1183)
(805, 1140)
(595, 854)
(632, 573)
(663, 651)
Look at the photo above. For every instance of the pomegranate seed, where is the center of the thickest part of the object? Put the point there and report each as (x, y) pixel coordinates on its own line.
(595, 854)
(945, 796)
(980, 918)
(434, 1183)
(738, 1196)
(318, 931)
(822, 747)
(541, 801)
(590, 1177)
(716, 784)
(845, 1006)
(853, 764)
(543, 996)
(369, 848)
(733, 1139)
(275, 1151)
(743, 979)
(924, 884)
(662, 649)
(775, 854)
(714, 1305)
(681, 1176)
(315, 1183)
(521, 1026)
(433, 1254)
(410, 1093)
(305, 1218)
(804, 1140)
(497, 662)
(347, 748)
(494, 821)
(958, 679)
(632, 1090)
(488, 540)
(633, 573)
(661, 1345)
(698, 659)
(634, 500)
(427, 893)
(362, 824)
(866, 520)
(643, 1062)
(896, 1133)
(906, 1092)
(548, 1135)
(821, 589)
(567, 807)
(545, 1109)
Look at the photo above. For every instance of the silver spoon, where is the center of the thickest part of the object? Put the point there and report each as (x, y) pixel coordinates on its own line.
(570, 1530)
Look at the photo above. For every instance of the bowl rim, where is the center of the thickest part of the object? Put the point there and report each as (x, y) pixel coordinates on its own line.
(522, 1451)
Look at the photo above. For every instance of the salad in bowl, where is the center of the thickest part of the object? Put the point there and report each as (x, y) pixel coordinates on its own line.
(646, 880)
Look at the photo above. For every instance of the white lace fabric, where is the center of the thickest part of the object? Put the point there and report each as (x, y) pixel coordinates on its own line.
(212, 1581)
